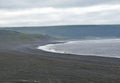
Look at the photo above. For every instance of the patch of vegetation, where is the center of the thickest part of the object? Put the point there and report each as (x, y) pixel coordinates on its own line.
(14, 36)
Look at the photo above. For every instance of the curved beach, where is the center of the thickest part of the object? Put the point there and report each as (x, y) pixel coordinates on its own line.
(21, 62)
(31, 64)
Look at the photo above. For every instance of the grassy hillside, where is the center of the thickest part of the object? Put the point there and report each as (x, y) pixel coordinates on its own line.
(14, 36)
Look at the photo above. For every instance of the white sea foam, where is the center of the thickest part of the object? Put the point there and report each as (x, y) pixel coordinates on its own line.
(49, 48)
(100, 47)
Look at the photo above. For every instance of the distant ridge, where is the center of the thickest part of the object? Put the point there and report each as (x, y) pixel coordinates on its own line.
(8, 32)
(14, 36)
(64, 25)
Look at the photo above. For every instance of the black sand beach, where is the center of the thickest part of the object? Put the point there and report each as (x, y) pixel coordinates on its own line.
(23, 63)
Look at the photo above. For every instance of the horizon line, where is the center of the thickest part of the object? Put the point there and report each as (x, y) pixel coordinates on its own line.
(60, 25)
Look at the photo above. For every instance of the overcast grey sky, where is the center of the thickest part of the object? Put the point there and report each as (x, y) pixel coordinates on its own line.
(58, 12)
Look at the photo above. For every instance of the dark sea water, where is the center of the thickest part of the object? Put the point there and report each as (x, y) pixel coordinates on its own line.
(92, 40)
(74, 32)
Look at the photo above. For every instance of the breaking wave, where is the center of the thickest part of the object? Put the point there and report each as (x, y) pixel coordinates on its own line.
(98, 47)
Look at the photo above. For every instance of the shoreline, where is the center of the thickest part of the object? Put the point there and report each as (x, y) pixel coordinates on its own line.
(24, 62)
(48, 48)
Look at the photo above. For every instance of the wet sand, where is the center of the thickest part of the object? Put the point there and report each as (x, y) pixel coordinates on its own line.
(26, 64)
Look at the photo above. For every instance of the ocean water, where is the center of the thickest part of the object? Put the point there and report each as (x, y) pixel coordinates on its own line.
(99, 47)
(90, 40)
(74, 32)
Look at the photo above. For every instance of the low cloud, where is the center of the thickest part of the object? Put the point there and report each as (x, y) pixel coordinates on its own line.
(97, 14)
(19, 4)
